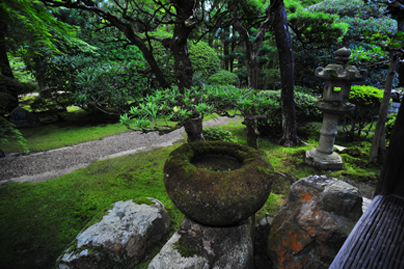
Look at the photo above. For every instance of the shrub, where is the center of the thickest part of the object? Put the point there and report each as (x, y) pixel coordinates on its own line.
(305, 112)
(224, 77)
(198, 80)
(204, 59)
(390, 122)
(218, 134)
(367, 100)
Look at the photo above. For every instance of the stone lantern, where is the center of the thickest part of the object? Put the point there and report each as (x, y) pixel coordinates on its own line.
(338, 80)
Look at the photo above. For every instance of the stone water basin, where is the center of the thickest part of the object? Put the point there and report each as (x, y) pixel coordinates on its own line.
(217, 198)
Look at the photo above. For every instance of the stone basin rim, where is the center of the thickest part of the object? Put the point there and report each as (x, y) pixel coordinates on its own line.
(213, 198)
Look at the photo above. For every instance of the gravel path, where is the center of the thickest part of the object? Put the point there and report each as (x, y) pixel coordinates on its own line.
(41, 166)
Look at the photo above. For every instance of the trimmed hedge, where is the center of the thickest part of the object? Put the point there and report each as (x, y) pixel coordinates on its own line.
(305, 111)
(367, 100)
(224, 77)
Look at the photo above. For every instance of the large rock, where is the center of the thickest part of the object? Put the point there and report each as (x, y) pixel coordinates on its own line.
(23, 118)
(313, 224)
(120, 240)
(195, 246)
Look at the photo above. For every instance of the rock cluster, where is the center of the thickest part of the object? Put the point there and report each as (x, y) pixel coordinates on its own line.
(120, 240)
(307, 232)
(313, 224)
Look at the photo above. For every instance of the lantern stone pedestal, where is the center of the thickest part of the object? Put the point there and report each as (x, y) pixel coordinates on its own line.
(339, 78)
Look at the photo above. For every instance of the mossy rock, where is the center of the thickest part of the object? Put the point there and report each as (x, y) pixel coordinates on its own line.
(217, 198)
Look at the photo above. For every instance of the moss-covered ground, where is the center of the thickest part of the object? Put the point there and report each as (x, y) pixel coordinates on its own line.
(40, 220)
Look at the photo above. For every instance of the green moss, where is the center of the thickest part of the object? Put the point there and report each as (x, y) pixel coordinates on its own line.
(360, 175)
(271, 207)
(185, 251)
(353, 151)
(266, 171)
(231, 195)
(47, 216)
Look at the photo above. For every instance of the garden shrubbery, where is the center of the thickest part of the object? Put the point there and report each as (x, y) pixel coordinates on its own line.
(357, 123)
(218, 134)
(224, 77)
(390, 122)
(305, 111)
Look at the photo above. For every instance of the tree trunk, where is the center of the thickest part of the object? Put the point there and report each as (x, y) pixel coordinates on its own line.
(5, 67)
(211, 37)
(286, 62)
(392, 174)
(378, 149)
(251, 135)
(251, 50)
(226, 48)
(194, 129)
(183, 65)
(266, 83)
(148, 55)
(233, 45)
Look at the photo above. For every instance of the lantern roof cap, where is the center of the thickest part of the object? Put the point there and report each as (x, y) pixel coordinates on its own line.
(341, 71)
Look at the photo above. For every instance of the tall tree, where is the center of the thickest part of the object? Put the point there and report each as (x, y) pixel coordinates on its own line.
(128, 17)
(251, 49)
(378, 149)
(286, 61)
(26, 24)
(5, 67)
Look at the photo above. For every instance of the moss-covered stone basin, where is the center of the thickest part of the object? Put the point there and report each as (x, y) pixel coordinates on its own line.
(217, 198)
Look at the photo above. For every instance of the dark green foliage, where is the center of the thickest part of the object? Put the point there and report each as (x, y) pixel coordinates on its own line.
(367, 101)
(305, 112)
(11, 85)
(224, 77)
(306, 3)
(217, 134)
(198, 80)
(390, 122)
(363, 20)
(317, 29)
(350, 8)
(52, 102)
(8, 131)
(204, 59)
(109, 84)
(242, 75)
(92, 81)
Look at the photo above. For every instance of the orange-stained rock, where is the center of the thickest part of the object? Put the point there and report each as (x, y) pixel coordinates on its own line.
(313, 224)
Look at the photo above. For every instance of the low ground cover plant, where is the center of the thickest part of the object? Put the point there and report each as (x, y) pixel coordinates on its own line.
(218, 134)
